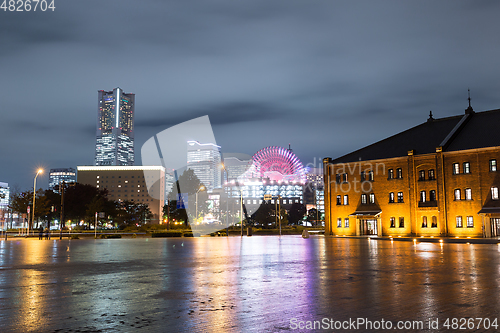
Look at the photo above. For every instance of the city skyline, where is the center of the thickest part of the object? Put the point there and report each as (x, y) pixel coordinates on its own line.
(326, 77)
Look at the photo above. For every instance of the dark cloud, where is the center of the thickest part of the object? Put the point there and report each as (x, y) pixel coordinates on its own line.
(326, 76)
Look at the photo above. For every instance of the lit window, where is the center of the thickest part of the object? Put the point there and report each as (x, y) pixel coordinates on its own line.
(401, 222)
(470, 222)
(393, 222)
(456, 168)
(459, 221)
(391, 174)
(434, 222)
(431, 174)
(468, 194)
(346, 199)
(424, 222)
(494, 193)
(466, 166)
(493, 165)
(339, 223)
(432, 195)
(344, 177)
(457, 194)
(97, 177)
(400, 197)
(346, 222)
(372, 198)
(391, 197)
(422, 196)
(363, 199)
(421, 175)
(399, 173)
(339, 200)
(370, 175)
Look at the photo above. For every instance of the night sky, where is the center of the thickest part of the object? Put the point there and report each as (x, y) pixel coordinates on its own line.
(326, 76)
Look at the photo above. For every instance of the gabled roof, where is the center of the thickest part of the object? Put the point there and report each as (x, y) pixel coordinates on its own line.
(477, 130)
(481, 131)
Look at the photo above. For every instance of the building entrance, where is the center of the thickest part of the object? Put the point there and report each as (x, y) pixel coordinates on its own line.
(495, 227)
(369, 227)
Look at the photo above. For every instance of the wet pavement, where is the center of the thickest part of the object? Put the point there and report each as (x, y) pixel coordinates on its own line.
(254, 284)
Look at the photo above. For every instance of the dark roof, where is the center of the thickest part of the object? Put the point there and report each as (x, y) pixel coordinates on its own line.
(479, 130)
(422, 139)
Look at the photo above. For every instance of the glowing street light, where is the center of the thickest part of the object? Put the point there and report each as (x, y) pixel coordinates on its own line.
(227, 199)
(39, 171)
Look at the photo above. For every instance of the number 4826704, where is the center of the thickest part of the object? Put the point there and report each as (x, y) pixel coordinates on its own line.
(27, 5)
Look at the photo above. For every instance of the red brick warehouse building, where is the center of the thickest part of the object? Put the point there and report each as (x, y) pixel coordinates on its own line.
(439, 178)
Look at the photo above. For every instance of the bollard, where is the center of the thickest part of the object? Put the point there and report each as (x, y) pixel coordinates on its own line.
(249, 231)
(305, 234)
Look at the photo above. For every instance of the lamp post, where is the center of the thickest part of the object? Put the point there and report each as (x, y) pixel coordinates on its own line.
(227, 201)
(202, 188)
(39, 171)
(241, 213)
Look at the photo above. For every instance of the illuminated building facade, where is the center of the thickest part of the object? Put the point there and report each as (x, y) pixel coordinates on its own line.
(205, 160)
(273, 171)
(4, 195)
(140, 184)
(439, 178)
(56, 176)
(313, 191)
(236, 166)
(115, 128)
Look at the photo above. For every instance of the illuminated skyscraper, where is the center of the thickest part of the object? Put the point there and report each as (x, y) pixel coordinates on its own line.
(67, 175)
(205, 160)
(115, 128)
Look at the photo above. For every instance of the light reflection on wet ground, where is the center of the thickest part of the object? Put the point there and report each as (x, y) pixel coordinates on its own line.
(232, 284)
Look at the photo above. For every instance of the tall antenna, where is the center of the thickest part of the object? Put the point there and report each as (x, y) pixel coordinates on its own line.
(468, 93)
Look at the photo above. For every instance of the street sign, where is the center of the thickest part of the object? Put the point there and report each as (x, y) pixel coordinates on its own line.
(267, 197)
(28, 210)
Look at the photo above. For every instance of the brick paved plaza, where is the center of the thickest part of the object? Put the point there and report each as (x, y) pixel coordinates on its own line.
(257, 284)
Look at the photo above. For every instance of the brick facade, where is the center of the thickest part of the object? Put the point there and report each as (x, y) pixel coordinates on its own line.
(415, 194)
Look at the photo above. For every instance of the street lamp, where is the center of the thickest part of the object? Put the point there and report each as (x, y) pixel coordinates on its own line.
(227, 201)
(39, 171)
(202, 188)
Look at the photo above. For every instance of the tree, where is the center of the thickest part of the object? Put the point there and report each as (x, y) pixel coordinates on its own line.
(78, 198)
(21, 201)
(313, 216)
(132, 213)
(267, 213)
(296, 213)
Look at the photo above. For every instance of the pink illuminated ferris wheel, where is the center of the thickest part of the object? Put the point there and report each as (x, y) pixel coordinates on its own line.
(279, 164)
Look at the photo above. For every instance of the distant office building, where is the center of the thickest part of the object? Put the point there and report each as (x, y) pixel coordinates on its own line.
(4, 195)
(115, 128)
(314, 176)
(236, 166)
(204, 159)
(313, 191)
(169, 181)
(129, 183)
(56, 176)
